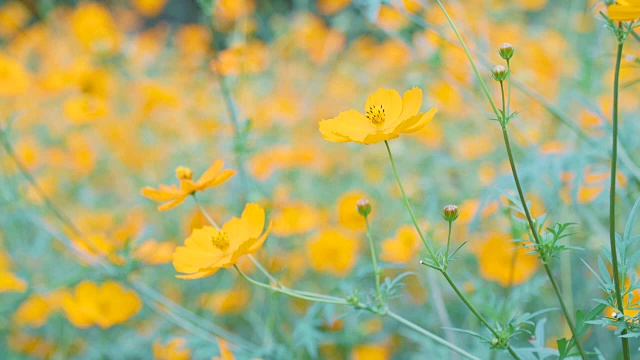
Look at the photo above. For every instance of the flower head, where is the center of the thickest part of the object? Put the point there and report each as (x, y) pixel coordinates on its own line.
(209, 249)
(624, 10)
(386, 116)
(173, 196)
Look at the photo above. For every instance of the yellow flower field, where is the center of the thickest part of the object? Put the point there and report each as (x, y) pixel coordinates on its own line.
(319, 179)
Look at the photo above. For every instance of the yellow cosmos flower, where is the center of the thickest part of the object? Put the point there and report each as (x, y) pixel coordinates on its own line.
(105, 305)
(386, 117)
(173, 196)
(209, 249)
(624, 10)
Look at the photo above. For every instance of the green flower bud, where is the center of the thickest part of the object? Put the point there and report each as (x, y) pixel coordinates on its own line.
(506, 51)
(499, 72)
(364, 207)
(450, 213)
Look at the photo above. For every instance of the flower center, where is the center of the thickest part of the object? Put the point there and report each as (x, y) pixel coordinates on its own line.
(183, 173)
(376, 115)
(220, 240)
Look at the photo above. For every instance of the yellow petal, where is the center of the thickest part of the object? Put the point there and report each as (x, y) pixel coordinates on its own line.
(259, 241)
(198, 275)
(212, 172)
(411, 102)
(160, 195)
(623, 13)
(222, 177)
(172, 204)
(348, 125)
(377, 137)
(417, 122)
(389, 100)
(253, 217)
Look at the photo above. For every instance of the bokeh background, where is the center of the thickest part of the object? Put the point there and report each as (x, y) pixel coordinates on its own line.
(98, 99)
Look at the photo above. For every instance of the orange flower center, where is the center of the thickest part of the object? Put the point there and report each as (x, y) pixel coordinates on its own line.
(220, 240)
(376, 115)
(184, 173)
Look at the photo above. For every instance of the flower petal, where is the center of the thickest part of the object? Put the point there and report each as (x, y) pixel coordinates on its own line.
(347, 125)
(417, 122)
(389, 100)
(212, 172)
(411, 102)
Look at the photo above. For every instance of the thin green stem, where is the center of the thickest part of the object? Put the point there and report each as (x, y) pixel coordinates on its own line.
(612, 200)
(205, 213)
(374, 260)
(430, 335)
(424, 239)
(509, 88)
(476, 313)
(448, 240)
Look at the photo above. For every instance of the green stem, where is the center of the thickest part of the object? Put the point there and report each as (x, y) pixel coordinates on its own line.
(476, 313)
(612, 200)
(424, 239)
(448, 242)
(430, 335)
(374, 260)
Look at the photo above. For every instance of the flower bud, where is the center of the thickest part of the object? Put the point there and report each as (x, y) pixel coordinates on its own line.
(364, 207)
(506, 51)
(450, 213)
(499, 72)
(184, 173)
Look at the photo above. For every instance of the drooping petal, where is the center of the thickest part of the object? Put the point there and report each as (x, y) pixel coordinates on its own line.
(161, 195)
(417, 122)
(377, 137)
(212, 172)
(389, 100)
(623, 12)
(411, 102)
(179, 200)
(222, 177)
(348, 124)
(259, 241)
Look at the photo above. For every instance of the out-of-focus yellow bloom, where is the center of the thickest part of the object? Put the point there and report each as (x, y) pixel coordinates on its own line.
(348, 215)
(94, 27)
(34, 346)
(34, 311)
(234, 9)
(370, 352)
(174, 349)
(209, 249)
(624, 10)
(331, 7)
(14, 79)
(173, 196)
(9, 282)
(333, 253)
(225, 353)
(403, 247)
(83, 109)
(295, 218)
(153, 252)
(497, 263)
(13, 16)
(149, 8)
(222, 302)
(106, 305)
(249, 58)
(387, 115)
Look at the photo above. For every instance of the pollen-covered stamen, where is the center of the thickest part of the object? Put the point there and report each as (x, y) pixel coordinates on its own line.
(184, 173)
(220, 240)
(376, 114)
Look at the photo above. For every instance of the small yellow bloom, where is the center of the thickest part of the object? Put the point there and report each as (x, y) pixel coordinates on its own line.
(209, 249)
(403, 247)
(173, 196)
(174, 349)
(105, 305)
(331, 252)
(386, 116)
(624, 10)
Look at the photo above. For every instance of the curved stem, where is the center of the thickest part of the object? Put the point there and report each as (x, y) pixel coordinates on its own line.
(612, 200)
(424, 239)
(430, 335)
(374, 260)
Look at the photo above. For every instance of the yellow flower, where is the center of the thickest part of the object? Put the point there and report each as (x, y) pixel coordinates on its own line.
(497, 263)
(209, 249)
(173, 196)
(9, 282)
(386, 116)
(174, 349)
(403, 247)
(34, 311)
(624, 10)
(105, 305)
(332, 253)
(153, 252)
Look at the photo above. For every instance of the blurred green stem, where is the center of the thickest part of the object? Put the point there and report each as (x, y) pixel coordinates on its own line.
(374, 260)
(426, 242)
(612, 199)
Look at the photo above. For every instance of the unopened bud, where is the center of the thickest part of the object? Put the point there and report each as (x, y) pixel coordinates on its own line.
(499, 72)
(506, 51)
(364, 206)
(450, 213)
(184, 173)
(494, 341)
